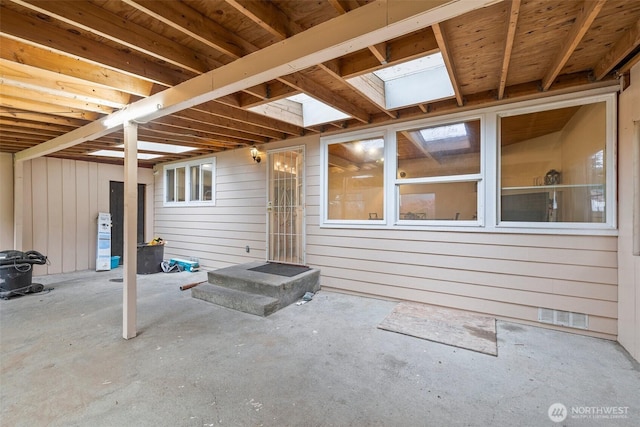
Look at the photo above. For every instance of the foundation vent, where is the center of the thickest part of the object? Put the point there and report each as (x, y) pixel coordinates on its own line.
(563, 318)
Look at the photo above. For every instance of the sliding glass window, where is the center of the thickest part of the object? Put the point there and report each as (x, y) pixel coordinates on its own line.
(438, 169)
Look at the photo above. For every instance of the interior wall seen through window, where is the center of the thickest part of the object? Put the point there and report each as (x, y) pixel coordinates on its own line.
(356, 180)
(553, 165)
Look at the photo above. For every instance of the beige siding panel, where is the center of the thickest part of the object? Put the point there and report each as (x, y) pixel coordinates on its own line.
(603, 243)
(512, 296)
(93, 213)
(6, 201)
(496, 308)
(83, 217)
(516, 268)
(69, 218)
(54, 212)
(27, 221)
(40, 225)
(587, 257)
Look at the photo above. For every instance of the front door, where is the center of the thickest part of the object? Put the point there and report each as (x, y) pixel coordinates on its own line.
(285, 206)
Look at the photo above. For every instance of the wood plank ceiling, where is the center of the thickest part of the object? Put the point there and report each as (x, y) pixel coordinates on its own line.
(64, 64)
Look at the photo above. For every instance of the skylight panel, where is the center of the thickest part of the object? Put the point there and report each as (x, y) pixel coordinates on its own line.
(307, 111)
(161, 148)
(120, 154)
(413, 82)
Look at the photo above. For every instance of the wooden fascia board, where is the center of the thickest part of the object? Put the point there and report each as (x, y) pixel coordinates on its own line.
(623, 47)
(367, 25)
(585, 18)
(514, 11)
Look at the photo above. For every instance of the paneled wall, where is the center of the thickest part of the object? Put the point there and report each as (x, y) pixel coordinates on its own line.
(629, 205)
(6, 201)
(504, 274)
(62, 199)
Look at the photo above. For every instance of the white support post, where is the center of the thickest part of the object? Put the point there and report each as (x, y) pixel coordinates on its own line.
(129, 296)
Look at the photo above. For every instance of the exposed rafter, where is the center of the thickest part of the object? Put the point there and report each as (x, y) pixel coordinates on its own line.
(629, 41)
(185, 19)
(514, 11)
(588, 13)
(448, 61)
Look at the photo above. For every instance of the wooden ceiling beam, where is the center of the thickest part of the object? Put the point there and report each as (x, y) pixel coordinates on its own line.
(321, 93)
(629, 41)
(28, 125)
(63, 101)
(266, 15)
(44, 59)
(224, 122)
(24, 76)
(448, 61)
(366, 87)
(38, 32)
(336, 37)
(183, 18)
(43, 107)
(176, 134)
(222, 110)
(587, 14)
(31, 116)
(416, 45)
(201, 129)
(514, 11)
(103, 23)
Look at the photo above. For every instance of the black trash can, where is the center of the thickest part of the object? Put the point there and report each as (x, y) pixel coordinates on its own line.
(15, 273)
(150, 258)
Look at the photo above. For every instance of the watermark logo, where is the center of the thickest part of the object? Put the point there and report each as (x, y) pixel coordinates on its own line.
(557, 412)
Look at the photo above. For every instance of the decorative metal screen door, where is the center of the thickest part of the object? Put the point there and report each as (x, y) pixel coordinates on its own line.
(285, 206)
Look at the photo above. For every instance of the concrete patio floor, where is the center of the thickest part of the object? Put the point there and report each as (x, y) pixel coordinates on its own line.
(63, 363)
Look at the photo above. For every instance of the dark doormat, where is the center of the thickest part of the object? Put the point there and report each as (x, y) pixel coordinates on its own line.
(288, 270)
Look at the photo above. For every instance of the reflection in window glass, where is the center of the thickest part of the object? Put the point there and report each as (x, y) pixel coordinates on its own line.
(356, 180)
(443, 150)
(552, 165)
(438, 201)
(207, 182)
(180, 184)
(195, 183)
(170, 185)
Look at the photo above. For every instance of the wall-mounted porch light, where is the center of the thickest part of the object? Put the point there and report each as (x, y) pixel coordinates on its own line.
(255, 154)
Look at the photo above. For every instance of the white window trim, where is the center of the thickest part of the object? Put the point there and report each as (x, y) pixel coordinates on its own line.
(476, 177)
(187, 165)
(324, 194)
(610, 165)
(488, 185)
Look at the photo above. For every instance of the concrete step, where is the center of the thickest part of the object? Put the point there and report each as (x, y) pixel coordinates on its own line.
(242, 278)
(259, 305)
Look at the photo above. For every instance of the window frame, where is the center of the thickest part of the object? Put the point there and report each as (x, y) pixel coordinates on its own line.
(610, 165)
(188, 165)
(324, 188)
(478, 178)
(489, 190)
